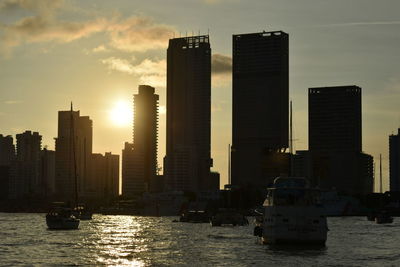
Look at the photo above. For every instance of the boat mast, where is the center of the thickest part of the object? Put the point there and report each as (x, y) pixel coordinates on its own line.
(291, 138)
(380, 173)
(72, 135)
(229, 164)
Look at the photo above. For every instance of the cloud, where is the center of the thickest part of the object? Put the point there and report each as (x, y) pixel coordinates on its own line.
(221, 64)
(45, 7)
(12, 102)
(151, 72)
(362, 23)
(118, 64)
(100, 48)
(137, 33)
(221, 68)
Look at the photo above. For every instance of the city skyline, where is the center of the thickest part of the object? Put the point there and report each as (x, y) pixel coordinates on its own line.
(103, 66)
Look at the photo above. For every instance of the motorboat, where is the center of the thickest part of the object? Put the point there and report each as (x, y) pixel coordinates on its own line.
(82, 213)
(383, 217)
(292, 214)
(228, 217)
(60, 218)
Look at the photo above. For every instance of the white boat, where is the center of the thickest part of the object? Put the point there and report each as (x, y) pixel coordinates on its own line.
(61, 219)
(292, 214)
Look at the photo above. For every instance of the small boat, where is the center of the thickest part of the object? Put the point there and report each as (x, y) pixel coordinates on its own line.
(194, 216)
(82, 213)
(61, 218)
(228, 217)
(383, 217)
(293, 214)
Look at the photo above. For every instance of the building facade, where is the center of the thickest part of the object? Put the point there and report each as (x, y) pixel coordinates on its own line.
(73, 155)
(188, 153)
(25, 173)
(260, 116)
(7, 156)
(394, 162)
(335, 140)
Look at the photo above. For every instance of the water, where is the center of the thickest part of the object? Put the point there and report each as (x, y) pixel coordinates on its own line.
(151, 241)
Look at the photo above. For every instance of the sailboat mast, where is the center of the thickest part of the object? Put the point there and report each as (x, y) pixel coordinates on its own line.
(72, 130)
(229, 164)
(380, 173)
(291, 138)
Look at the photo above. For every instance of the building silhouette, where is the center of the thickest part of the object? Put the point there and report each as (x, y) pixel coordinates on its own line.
(25, 173)
(335, 140)
(260, 119)
(73, 148)
(139, 167)
(188, 158)
(7, 156)
(47, 172)
(105, 173)
(394, 162)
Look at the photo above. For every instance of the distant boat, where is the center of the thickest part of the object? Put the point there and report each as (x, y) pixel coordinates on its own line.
(61, 218)
(292, 214)
(383, 217)
(82, 213)
(228, 217)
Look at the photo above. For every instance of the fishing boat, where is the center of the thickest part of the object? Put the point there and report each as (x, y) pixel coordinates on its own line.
(292, 214)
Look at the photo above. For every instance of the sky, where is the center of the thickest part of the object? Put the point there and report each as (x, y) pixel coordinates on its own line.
(96, 53)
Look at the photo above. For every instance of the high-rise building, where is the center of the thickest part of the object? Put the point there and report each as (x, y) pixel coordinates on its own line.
(394, 161)
(335, 140)
(25, 180)
(139, 160)
(188, 157)
(105, 173)
(73, 154)
(260, 118)
(47, 172)
(7, 155)
(335, 118)
(7, 150)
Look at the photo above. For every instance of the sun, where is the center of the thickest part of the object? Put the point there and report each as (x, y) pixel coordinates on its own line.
(121, 114)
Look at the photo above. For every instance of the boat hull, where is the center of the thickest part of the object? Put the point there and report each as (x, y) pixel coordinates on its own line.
(62, 223)
(291, 225)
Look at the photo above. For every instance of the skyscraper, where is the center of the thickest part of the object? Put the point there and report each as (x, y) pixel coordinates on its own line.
(140, 158)
(7, 155)
(260, 79)
(188, 157)
(73, 148)
(335, 140)
(26, 173)
(394, 161)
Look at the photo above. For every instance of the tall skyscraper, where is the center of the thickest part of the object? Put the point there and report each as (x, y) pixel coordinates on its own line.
(394, 161)
(106, 175)
(260, 119)
(335, 140)
(73, 148)
(7, 155)
(188, 157)
(25, 179)
(140, 158)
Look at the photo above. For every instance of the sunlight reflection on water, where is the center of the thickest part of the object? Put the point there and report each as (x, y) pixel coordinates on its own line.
(152, 241)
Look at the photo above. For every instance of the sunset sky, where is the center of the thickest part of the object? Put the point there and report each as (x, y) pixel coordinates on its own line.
(96, 53)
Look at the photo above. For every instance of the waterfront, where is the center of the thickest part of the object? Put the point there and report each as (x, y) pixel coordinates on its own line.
(157, 241)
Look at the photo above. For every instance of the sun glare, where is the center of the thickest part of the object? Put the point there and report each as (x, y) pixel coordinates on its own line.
(121, 114)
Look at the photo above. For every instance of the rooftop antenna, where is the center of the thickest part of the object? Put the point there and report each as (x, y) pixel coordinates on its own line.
(199, 32)
(208, 31)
